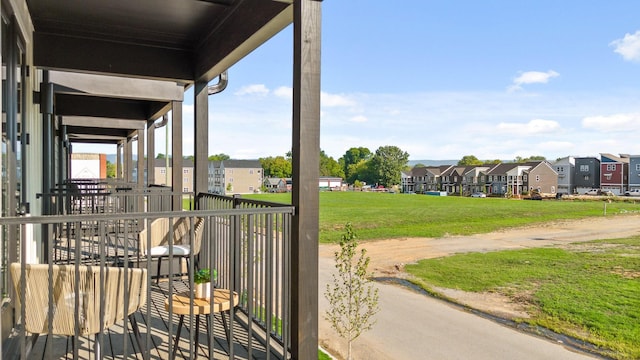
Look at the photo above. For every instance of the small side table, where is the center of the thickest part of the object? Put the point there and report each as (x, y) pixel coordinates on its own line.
(182, 306)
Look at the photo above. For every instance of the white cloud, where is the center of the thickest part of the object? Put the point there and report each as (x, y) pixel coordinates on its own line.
(628, 47)
(613, 123)
(533, 127)
(285, 92)
(532, 77)
(334, 100)
(255, 89)
(359, 119)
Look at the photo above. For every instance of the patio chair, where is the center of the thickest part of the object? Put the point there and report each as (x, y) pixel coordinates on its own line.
(65, 287)
(182, 246)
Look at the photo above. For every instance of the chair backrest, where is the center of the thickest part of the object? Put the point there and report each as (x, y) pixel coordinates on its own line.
(181, 233)
(65, 288)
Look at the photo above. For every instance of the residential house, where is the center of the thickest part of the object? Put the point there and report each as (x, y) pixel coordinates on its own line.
(453, 179)
(586, 175)
(517, 178)
(429, 178)
(496, 179)
(614, 173)
(565, 168)
(508, 178)
(235, 176)
(406, 181)
(474, 179)
(330, 183)
(88, 166)
(634, 172)
(541, 177)
(275, 185)
(163, 173)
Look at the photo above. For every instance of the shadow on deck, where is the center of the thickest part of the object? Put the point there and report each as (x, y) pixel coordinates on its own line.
(117, 342)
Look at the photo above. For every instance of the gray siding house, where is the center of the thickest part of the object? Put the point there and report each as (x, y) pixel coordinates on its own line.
(565, 168)
(634, 172)
(587, 174)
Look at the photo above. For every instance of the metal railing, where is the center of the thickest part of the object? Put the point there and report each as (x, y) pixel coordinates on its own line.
(262, 260)
(247, 242)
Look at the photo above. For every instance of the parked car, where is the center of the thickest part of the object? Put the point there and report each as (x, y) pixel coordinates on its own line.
(592, 192)
(479, 195)
(634, 192)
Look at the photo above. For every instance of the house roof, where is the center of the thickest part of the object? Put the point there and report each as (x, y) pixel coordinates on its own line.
(610, 158)
(274, 181)
(186, 162)
(239, 164)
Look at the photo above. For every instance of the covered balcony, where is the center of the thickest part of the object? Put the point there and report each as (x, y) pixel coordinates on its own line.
(106, 268)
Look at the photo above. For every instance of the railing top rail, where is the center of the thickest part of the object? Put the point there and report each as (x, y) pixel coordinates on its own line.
(112, 191)
(47, 219)
(242, 200)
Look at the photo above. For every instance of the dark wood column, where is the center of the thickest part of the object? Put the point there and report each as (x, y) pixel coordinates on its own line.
(201, 133)
(151, 149)
(176, 153)
(306, 164)
(140, 162)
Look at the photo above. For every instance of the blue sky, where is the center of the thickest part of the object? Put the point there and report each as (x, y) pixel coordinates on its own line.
(440, 80)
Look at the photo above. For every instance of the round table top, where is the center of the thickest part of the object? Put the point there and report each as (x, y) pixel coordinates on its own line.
(221, 302)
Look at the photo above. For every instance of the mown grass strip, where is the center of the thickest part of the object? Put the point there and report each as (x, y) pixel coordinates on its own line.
(383, 215)
(587, 290)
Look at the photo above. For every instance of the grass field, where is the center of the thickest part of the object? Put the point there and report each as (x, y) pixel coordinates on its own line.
(384, 215)
(588, 290)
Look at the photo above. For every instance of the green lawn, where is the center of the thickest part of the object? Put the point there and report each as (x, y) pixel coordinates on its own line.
(588, 290)
(384, 215)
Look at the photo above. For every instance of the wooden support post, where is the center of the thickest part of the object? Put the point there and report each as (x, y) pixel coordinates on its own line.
(305, 195)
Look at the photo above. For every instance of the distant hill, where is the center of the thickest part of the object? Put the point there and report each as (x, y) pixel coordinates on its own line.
(413, 163)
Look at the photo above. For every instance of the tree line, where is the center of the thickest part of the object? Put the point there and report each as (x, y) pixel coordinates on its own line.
(357, 166)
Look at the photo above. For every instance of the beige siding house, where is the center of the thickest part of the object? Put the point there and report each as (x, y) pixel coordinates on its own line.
(235, 176)
(163, 174)
(541, 177)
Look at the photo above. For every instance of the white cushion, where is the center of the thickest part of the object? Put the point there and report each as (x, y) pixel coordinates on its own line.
(178, 250)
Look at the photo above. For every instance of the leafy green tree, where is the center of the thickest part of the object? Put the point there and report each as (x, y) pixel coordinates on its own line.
(353, 156)
(469, 160)
(160, 156)
(520, 159)
(111, 170)
(362, 172)
(353, 300)
(329, 166)
(219, 157)
(278, 167)
(419, 165)
(387, 163)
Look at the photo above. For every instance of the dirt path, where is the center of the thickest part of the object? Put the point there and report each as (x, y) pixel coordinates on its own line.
(388, 257)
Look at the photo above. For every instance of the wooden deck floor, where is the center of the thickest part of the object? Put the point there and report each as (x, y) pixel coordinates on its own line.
(118, 344)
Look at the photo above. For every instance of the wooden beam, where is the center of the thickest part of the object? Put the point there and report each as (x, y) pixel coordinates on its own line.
(306, 170)
(116, 87)
(88, 121)
(253, 23)
(70, 105)
(61, 52)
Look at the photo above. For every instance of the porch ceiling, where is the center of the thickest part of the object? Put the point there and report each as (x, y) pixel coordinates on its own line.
(179, 40)
(117, 106)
